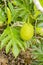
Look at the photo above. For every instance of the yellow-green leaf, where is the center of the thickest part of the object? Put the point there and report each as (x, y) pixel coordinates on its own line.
(9, 15)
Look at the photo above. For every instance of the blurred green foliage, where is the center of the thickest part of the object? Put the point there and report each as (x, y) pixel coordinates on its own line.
(22, 11)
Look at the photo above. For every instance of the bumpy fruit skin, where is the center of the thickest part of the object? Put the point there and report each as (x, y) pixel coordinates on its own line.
(39, 30)
(27, 31)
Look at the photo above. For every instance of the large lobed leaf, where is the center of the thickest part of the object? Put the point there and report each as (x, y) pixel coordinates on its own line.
(10, 39)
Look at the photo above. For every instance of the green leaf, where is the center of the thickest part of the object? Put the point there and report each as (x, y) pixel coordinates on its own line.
(40, 24)
(9, 15)
(2, 16)
(41, 2)
(40, 17)
(12, 10)
(11, 39)
(15, 50)
(40, 57)
(20, 45)
(4, 33)
(11, 7)
(31, 1)
(4, 41)
(8, 47)
(21, 10)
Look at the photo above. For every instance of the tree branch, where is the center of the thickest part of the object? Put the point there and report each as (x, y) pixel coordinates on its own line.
(17, 24)
(38, 5)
